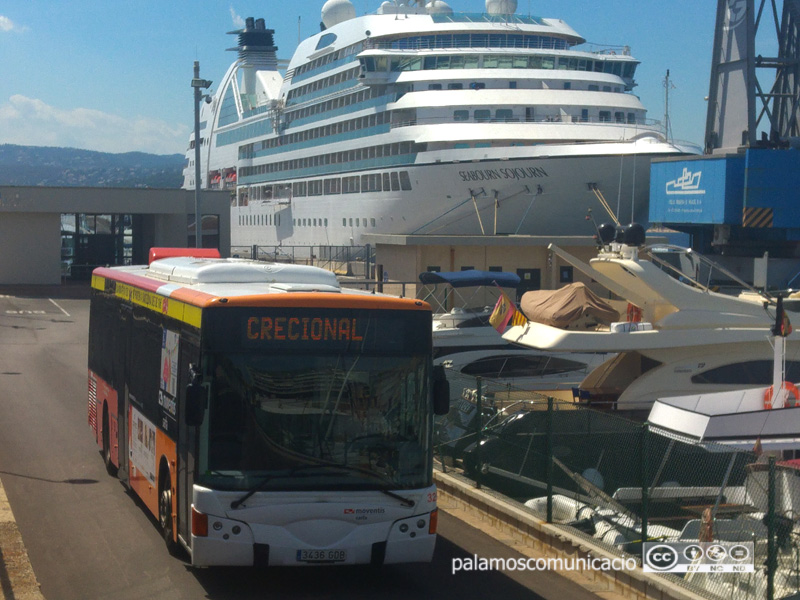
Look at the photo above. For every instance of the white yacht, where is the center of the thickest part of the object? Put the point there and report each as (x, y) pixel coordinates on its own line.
(691, 340)
(421, 119)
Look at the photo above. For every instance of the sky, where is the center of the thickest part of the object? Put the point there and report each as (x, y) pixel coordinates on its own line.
(115, 76)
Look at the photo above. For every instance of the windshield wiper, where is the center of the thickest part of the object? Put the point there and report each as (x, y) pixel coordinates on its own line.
(293, 471)
(406, 501)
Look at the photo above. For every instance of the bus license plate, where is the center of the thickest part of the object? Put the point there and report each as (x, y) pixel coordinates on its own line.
(320, 556)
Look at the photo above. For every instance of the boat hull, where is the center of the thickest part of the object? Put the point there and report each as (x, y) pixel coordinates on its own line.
(544, 196)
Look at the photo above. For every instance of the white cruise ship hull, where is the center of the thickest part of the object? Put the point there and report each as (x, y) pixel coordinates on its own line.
(539, 196)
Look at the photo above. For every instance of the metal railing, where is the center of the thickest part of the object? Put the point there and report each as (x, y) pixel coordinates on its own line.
(621, 483)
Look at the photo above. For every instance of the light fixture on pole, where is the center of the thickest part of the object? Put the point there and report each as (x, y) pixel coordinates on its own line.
(197, 84)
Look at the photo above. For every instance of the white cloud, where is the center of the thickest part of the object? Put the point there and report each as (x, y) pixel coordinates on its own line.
(238, 21)
(31, 122)
(6, 24)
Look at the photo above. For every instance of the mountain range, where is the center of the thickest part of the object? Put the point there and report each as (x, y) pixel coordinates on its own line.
(71, 167)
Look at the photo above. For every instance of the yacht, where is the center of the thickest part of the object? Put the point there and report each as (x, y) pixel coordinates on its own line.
(418, 119)
(691, 340)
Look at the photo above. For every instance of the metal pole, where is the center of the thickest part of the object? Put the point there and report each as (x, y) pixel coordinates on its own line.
(478, 431)
(644, 449)
(549, 434)
(772, 554)
(197, 83)
(198, 229)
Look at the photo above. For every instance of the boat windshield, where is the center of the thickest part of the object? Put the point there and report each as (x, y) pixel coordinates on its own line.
(316, 421)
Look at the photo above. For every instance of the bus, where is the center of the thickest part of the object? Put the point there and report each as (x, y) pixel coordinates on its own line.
(265, 415)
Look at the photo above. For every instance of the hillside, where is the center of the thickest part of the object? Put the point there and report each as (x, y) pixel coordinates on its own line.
(45, 166)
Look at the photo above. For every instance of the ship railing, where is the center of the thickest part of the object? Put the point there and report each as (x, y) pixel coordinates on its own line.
(641, 124)
(444, 44)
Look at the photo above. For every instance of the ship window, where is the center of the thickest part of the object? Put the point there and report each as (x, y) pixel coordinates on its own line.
(461, 115)
(443, 62)
(631, 118)
(434, 86)
(344, 222)
(456, 62)
(326, 40)
(754, 372)
(351, 221)
(386, 185)
(315, 187)
(489, 62)
(619, 117)
(455, 86)
(594, 87)
(372, 222)
(405, 181)
(605, 116)
(395, 182)
(482, 115)
(430, 63)
(326, 222)
(471, 61)
(350, 185)
(480, 40)
(519, 62)
(504, 114)
(584, 115)
(333, 186)
(567, 85)
(505, 62)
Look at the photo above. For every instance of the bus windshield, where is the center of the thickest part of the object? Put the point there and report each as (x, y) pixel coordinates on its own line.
(316, 421)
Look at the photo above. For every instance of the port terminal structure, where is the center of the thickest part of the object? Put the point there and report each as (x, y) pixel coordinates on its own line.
(49, 234)
(738, 201)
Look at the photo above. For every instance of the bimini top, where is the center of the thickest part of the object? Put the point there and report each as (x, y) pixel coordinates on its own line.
(471, 278)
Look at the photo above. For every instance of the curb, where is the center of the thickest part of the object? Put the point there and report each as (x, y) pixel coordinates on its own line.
(17, 579)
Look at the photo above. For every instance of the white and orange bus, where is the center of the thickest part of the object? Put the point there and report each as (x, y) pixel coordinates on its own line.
(265, 415)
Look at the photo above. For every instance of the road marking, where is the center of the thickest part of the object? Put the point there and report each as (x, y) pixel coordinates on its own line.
(58, 307)
(26, 312)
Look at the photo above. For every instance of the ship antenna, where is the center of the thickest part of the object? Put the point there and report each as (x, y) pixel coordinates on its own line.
(668, 85)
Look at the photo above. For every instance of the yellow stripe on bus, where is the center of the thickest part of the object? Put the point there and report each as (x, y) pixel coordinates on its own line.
(161, 304)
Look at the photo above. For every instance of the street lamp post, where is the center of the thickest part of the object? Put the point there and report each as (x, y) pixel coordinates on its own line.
(197, 84)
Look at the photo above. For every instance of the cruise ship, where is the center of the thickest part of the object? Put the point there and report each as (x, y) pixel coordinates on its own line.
(418, 119)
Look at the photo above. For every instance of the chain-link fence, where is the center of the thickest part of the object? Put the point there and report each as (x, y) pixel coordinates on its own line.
(622, 483)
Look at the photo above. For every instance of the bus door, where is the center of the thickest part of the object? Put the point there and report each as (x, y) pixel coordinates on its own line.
(187, 441)
(122, 472)
(123, 403)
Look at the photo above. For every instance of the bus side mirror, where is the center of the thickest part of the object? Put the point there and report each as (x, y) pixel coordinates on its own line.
(195, 404)
(441, 392)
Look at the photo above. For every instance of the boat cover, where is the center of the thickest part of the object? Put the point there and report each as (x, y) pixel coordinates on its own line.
(559, 308)
(471, 278)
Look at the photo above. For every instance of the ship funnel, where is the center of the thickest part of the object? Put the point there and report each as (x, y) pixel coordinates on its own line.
(256, 44)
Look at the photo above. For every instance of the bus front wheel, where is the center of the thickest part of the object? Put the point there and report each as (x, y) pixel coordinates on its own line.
(165, 512)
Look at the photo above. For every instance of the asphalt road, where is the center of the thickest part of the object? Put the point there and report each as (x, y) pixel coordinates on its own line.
(89, 539)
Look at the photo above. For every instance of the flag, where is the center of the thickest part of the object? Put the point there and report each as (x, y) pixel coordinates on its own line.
(505, 313)
(782, 326)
